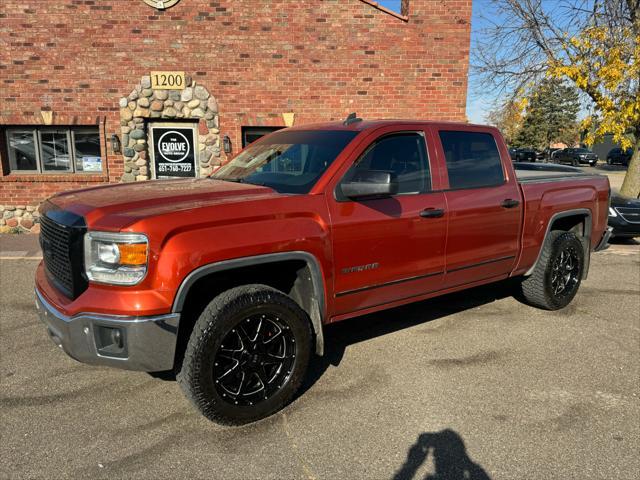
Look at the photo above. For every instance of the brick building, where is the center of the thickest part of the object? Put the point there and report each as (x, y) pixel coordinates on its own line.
(79, 102)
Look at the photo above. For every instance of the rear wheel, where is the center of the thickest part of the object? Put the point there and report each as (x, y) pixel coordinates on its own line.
(247, 355)
(558, 273)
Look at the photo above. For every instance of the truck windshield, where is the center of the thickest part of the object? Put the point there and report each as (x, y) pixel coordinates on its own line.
(289, 161)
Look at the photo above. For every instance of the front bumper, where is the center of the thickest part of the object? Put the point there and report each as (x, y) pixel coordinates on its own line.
(143, 343)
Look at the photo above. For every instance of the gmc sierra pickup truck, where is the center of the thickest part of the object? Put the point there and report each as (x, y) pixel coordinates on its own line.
(229, 280)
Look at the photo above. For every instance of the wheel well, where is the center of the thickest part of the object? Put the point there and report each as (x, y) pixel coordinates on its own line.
(292, 277)
(574, 223)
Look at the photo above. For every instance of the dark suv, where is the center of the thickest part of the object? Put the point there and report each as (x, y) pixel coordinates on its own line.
(576, 157)
(526, 155)
(618, 155)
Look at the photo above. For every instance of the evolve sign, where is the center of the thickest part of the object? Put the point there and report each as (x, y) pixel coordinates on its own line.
(174, 152)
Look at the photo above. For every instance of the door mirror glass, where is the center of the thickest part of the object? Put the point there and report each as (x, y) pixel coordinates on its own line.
(370, 183)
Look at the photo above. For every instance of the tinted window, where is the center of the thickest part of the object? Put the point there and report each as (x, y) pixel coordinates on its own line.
(251, 134)
(472, 159)
(54, 150)
(86, 144)
(59, 150)
(22, 150)
(403, 155)
(289, 161)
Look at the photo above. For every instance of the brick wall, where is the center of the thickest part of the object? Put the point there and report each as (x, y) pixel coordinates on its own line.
(320, 59)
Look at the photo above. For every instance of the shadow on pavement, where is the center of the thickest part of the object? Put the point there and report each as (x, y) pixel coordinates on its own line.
(623, 241)
(338, 336)
(449, 455)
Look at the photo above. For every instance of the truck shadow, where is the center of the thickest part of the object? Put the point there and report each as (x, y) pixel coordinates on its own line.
(447, 452)
(339, 336)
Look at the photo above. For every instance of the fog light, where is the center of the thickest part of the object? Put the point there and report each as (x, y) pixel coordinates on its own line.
(110, 341)
(116, 337)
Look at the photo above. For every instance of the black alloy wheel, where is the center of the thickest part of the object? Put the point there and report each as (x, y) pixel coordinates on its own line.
(247, 355)
(565, 272)
(556, 278)
(254, 360)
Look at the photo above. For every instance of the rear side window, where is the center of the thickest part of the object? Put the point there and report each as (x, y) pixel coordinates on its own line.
(472, 159)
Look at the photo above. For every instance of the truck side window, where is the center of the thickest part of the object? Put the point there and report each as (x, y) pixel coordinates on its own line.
(404, 155)
(472, 159)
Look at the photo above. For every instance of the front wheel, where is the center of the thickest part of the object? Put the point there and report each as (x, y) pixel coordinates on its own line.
(575, 163)
(247, 355)
(558, 273)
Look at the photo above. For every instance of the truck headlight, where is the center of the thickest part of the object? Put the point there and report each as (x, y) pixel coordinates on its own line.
(612, 212)
(116, 258)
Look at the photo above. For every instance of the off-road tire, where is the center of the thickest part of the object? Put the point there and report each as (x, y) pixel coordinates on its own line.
(223, 315)
(537, 289)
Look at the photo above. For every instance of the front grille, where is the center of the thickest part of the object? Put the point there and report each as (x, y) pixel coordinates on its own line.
(61, 236)
(629, 214)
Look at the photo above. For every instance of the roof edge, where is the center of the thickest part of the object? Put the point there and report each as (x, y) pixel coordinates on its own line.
(376, 5)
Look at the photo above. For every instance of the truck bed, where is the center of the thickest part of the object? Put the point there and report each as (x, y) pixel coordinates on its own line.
(545, 172)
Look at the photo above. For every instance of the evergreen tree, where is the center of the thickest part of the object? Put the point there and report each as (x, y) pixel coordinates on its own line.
(551, 115)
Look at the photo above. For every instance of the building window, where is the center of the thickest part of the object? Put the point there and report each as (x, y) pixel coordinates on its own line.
(54, 150)
(251, 134)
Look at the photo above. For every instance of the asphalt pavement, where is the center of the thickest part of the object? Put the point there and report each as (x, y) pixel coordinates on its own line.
(473, 382)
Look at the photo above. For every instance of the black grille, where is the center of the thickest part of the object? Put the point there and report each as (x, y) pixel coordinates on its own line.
(61, 236)
(630, 214)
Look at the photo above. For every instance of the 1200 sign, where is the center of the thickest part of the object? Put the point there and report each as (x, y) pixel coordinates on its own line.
(168, 80)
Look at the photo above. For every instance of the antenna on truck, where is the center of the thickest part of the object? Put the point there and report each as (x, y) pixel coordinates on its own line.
(351, 118)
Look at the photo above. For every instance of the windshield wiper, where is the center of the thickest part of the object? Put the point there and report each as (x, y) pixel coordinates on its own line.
(239, 180)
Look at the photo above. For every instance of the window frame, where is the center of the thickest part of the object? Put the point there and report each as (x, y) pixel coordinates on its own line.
(446, 169)
(337, 193)
(248, 129)
(12, 154)
(37, 132)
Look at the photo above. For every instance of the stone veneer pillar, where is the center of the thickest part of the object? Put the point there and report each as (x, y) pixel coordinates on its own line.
(194, 103)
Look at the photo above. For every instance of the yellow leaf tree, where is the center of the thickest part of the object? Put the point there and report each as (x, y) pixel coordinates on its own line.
(592, 43)
(605, 64)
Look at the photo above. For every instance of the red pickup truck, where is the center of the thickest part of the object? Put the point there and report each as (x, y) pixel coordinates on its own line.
(229, 280)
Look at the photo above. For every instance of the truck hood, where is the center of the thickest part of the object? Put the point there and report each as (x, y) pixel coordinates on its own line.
(116, 206)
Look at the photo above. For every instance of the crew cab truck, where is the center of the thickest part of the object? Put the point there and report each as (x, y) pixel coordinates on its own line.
(230, 279)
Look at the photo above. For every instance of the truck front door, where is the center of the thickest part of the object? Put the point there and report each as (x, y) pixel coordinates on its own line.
(388, 249)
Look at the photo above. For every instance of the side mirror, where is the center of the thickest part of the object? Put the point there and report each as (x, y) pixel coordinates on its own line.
(371, 183)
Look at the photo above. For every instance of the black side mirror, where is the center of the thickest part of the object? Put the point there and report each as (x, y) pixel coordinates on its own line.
(370, 183)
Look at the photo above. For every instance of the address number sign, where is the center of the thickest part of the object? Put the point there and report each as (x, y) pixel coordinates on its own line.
(168, 80)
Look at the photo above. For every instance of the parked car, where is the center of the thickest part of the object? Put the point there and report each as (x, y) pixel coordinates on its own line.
(576, 157)
(229, 279)
(619, 156)
(526, 155)
(624, 216)
(549, 153)
(554, 154)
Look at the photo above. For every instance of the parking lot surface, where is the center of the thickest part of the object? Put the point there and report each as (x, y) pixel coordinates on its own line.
(472, 385)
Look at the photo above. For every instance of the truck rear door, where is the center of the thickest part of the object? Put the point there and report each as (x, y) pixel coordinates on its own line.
(484, 205)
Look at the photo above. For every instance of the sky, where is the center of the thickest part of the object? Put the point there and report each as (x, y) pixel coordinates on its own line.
(478, 103)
